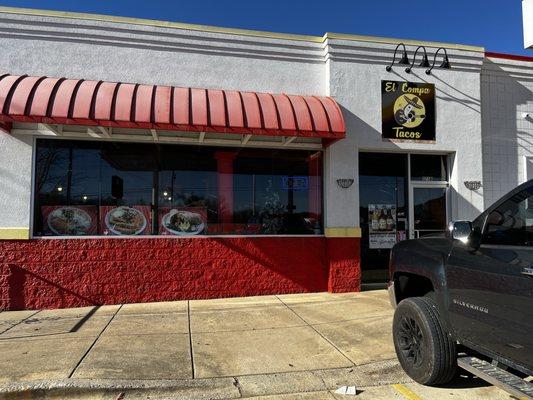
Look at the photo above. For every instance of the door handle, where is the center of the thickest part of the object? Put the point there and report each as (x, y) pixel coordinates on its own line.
(527, 271)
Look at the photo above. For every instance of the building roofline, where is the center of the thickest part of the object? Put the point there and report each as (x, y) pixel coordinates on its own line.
(233, 31)
(411, 42)
(506, 56)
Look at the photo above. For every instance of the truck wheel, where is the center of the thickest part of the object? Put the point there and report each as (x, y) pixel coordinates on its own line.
(426, 352)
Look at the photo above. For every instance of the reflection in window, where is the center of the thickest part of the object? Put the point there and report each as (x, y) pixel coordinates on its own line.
(187, 191)
(511, 223)
(429, 210)
(67, 189)
(277, 192)
(91, 188)
(126, 177)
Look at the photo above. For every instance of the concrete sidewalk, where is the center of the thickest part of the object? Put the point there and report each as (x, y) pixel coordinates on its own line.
(212, 349)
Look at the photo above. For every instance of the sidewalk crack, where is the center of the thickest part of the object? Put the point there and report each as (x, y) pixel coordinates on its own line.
(237, 384)
(318, 332)
(21, 321)
(191, 351)
(322, 380)
(94, 342)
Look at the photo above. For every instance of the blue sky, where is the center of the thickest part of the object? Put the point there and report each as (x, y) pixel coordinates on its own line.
(494, 24)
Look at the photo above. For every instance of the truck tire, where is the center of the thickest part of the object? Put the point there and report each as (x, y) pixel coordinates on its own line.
(425, 350)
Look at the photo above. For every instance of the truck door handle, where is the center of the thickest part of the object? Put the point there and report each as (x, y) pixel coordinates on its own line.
(527, 271)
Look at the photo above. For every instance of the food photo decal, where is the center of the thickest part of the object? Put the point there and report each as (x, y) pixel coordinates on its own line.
(69, 220)
(183, 222)
(125, 220)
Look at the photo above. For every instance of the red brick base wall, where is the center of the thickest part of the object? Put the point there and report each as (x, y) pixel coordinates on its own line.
(344, 265)
(55, 273)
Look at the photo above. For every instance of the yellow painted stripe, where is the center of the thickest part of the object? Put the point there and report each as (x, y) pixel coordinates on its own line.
(14, 233)
(343, 232)
(406, 392)
(243, 32)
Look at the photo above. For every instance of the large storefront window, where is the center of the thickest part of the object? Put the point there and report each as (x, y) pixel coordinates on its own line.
(95, 188)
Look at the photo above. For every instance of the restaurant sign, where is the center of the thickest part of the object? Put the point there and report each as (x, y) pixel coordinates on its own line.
(408, 110)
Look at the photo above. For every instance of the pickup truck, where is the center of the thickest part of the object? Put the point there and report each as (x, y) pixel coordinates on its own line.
(466, 297)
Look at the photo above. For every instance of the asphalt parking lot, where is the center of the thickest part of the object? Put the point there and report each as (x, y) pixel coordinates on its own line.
(302, 346)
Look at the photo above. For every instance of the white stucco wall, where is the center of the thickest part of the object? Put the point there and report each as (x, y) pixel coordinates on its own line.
(15, 180)
(507, 94)
(356, 71)
(102, 50)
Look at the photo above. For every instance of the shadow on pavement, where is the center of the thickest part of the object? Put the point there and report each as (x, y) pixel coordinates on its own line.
(82, 321)
(464, 380)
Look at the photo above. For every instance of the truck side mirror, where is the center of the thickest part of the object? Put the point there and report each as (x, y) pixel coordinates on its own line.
(460, 230)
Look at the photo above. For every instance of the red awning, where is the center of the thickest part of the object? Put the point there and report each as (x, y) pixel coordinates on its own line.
(81, 102)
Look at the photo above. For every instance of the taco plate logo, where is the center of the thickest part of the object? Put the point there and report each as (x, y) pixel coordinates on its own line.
(408, 110)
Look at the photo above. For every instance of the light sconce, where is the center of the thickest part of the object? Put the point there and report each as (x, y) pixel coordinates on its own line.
(424, 63)
(472, 185)
(345, 183)
(445, 64)
(445, 61)
(403, 61)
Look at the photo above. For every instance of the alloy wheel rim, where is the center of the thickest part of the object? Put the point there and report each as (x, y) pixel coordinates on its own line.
(410, 341)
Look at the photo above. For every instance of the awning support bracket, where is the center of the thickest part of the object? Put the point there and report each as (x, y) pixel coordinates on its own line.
(245, 139)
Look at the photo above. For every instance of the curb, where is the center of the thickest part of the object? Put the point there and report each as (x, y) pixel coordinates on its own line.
(374, 374)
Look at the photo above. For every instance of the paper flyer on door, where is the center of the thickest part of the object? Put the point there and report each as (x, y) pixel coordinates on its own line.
(381, 226)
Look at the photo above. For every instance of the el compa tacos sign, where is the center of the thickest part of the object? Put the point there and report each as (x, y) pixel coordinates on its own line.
(408, 110)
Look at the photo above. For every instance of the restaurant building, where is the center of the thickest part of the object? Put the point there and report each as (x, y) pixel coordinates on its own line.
(147, 160)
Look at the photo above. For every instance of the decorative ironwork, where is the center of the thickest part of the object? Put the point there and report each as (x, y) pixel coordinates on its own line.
(472, 185)
(345, 183)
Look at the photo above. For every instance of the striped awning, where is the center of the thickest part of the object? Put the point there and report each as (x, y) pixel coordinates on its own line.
(111, 104)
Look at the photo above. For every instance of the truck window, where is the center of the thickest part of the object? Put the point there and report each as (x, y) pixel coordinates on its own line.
(511, 223)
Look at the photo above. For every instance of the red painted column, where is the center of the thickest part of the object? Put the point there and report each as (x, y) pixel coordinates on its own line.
(225, 186)
(344, 264)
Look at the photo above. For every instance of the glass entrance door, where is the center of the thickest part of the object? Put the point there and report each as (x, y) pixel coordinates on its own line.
(428, 188)
(428, 210)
